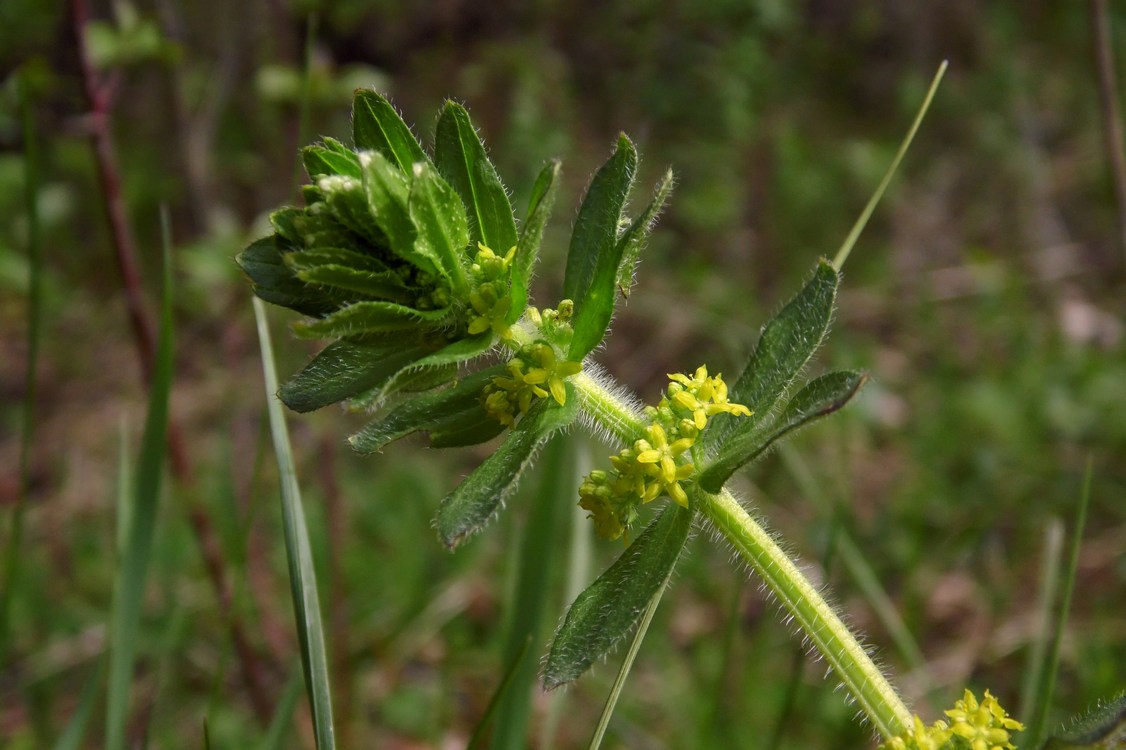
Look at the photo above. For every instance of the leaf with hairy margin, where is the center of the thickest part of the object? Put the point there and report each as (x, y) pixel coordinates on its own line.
(276, 283)
(531, 237)
(439, 220)
(376, 125)
(368, 316)
(633, 239)
(330, 157)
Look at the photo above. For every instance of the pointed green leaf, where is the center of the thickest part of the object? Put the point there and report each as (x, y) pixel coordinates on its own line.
(388, 192)
(377, 126)
(439, 219)
(455, 353)
(531, 236)
(426, 412)
(331, 157)
(595, 254)
(633, 240)
(367, 317)
(334, 256)
(785, 346)
(469, 507)
(473, 427)
(460, 157)
(276, 283)
(604, 613)
(344, 369)
(385, 285)
(348, 205)
(1102, 728)
(819, 398)
(284, 223)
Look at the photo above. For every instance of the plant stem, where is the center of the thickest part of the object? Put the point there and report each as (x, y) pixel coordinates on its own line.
(832, 638)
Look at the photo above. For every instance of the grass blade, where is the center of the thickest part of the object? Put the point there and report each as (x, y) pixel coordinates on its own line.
(1038, 717)
(10, 572)
(278, 733)
(129, 587)
(75, 731)
(1049, 591)
(627, 665)
(503, 689)
(302, 575)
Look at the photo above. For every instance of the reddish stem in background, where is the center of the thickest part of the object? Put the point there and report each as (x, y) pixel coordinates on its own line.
(1112, 115)
(97, 96)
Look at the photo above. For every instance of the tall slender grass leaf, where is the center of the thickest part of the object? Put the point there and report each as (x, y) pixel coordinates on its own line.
(633, 239)
(439, 219)
(376, 125)
(302, 574)
(531, 236)
(819, 398)
(542, 539)
(480, 732)
(591, 278)
(9, 576)
(469, 507)
(74, 733)
(1038, 719)
(606, 611)
(787, 343)
(129, 587)
(344, 369)
(461, 159)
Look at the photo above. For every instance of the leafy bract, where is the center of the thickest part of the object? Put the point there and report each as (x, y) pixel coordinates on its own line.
(378, 127)
(388, 192)
(819, 398)
(1102, 728)
(607, 610)
(465, 510)
(278, 284)
(330, 157)
(369, 316)
(531, 236)
(633, 239)
(785, 347)
(461, 159)
(595, 254)
(439, 220)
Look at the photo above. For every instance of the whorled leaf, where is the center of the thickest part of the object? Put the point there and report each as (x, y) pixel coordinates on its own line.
(439, 220)
(786, 345)
(377, 126)
(330, 157)
(819, 398)
(346, 368)
(388, 193)
(276, 283)
(607, 610)
(464, 511)
(452, 408)
(633, 239)
(531, 236)
(369, 316)
(595, 253)
(461, 159)
(1102, 728)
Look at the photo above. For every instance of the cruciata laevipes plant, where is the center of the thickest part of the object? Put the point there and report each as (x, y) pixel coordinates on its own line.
(415, 268)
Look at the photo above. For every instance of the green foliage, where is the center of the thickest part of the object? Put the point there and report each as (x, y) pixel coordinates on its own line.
(1101, 728)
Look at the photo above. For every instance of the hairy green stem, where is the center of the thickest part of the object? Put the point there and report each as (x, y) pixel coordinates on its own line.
(832, 638)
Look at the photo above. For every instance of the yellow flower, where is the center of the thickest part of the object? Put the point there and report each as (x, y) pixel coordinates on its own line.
(535, 373)
(986, 725)
(663, 455)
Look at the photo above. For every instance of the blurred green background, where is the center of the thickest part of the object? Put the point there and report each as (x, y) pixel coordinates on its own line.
(985, 299)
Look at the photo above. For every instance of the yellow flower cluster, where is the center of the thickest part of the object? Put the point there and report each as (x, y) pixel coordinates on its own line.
(534, 373)
(984, 726)
(490, 298)
(658, 463)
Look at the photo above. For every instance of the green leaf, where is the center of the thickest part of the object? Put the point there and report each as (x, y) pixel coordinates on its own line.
(633, 240)
(427, 412)
(384, 285)
(129, 588)
(464, 511)
(472, 427)
(368, 316)
(460, 157)
(284, 222)
(345, 369)
(388, 193)
(531, 237)
(786, 345)
(299, 556)
(276, 283)
(595, 253)
(439, 219)
(819, 398)
(332, 157)
(609, 608)
(334, 256)
(377, 126)
(1102, 728)
(455, 353)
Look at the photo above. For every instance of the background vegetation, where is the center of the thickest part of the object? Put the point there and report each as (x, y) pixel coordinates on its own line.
(986, 300)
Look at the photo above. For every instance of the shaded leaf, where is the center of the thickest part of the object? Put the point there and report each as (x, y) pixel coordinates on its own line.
(1102, 728)
(344, 369)
(330, 157)
(455, 353)
(439, 220)
(633, 240)
(334, 256)
(531, 236)
(461, 159)
(386, 285)
(388, 192)
(366, 317)
(276, 283)
(606, 611)
(430, 411)
(465, 510)
(819, 398)
(376, 125)
(595, 254)
(787, 343)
